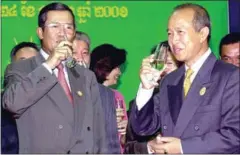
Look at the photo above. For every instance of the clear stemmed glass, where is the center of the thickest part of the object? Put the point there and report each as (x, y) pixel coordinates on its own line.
(158, 63)
(160, 55)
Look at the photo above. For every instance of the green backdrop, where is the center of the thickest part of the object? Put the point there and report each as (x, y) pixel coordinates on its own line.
(135, 25)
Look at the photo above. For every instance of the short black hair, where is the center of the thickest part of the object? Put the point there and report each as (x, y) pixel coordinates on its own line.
(230, 38)
(104, 58)
(20, 46)
(42, 17)
(201, 17)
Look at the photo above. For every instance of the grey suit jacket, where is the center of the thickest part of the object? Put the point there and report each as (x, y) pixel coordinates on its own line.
(207, 120)
(47, 122)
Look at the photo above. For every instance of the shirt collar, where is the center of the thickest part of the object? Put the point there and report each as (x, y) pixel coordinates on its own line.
(198, 64)
(46, 55)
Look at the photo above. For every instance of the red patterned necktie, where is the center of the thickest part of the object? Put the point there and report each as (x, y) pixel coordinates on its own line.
(62, 80)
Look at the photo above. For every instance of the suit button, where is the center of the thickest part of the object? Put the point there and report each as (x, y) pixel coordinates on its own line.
(60, 126)
(196, 127)
(87, 152)
(88, 128)
(165, 127)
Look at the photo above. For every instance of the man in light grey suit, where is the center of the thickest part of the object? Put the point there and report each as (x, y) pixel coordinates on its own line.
(52, 116)
(197, 113)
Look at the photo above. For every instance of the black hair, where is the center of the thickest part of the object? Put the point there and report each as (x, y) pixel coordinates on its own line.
(104, 59)
(20, 46)
(42, 17)
(230, 38)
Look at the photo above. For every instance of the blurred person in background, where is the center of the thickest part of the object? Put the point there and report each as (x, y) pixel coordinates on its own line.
(81, 48)
(9, 134)
(106, 60)
(24, 50)
(81, 54)
(230, 48)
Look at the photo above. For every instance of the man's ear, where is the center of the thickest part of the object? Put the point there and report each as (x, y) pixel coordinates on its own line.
(40, 33)
(204, 32)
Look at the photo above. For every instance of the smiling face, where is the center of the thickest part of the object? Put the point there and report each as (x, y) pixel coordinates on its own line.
(81, 51)
(185, 42)
(57, 25)
(113, 76)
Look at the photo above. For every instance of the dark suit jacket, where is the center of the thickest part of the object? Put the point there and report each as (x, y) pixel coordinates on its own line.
(9, 134)
(47, 122)
(207, 122)
(136, 144)
(108, 103)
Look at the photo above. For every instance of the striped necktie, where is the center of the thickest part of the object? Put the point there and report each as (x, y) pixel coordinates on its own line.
(187, 82)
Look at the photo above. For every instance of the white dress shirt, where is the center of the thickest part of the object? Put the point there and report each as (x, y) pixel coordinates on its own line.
(55, 70)
(143, 95)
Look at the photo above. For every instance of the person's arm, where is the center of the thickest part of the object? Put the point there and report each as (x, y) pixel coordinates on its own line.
(227, 138)
(132, 146)
(146, 121)
(22, 91)
(145, 115)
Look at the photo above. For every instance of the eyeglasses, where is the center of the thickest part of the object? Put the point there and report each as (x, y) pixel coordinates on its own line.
(69, 28)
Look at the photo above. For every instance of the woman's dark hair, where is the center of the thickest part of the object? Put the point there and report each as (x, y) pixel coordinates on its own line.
(42, 17)
(104, 59)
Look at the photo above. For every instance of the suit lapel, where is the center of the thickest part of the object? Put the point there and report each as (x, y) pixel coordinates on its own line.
(175, 99)
(194, 99)
(58, 97)
(174, 93)
(79, 94)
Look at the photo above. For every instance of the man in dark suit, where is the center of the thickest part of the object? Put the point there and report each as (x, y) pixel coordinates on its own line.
(58, 107)
(197, 107)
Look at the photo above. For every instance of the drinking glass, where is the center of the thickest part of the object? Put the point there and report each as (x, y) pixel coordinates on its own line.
(119, 109)
(160, 55)
(70, 62)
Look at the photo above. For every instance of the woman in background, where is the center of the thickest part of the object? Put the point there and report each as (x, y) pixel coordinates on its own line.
(105, 63)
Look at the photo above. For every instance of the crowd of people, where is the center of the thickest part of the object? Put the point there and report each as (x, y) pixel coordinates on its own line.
(191, 105)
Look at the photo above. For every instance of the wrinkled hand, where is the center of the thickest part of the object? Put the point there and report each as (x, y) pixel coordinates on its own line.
(169, 145)
(60, 53)
(119, 114)
(149, 75)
